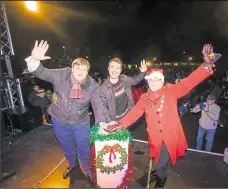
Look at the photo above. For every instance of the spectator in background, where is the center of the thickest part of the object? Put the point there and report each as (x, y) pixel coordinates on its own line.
(33, 94)
(48, 94)
(39, 99)
(208, 122)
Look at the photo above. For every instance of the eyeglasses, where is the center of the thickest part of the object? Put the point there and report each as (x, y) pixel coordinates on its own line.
(154, 80)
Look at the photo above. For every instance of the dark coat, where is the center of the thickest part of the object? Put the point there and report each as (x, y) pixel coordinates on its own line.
(71, 111)
(107, 95)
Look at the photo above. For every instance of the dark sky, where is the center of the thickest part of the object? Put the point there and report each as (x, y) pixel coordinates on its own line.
(132, 29)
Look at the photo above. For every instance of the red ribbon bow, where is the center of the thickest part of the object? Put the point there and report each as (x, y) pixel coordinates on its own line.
(111, 150)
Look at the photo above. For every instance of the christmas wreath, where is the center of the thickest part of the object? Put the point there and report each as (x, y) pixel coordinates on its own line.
(111, 149)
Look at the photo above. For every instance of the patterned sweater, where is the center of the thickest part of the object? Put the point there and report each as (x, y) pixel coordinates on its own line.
(121, 99)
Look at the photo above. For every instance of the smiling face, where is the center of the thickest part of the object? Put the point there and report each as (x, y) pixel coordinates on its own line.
(80, 68)
(155, 84)
(79, 72)
(114, 69)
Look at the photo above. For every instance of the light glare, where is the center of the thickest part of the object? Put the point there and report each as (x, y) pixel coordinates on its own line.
(31, 5)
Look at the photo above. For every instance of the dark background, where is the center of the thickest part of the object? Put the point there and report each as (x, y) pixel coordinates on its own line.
(131, 29)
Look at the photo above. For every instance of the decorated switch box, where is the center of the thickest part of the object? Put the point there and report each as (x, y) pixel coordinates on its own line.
(111, 156)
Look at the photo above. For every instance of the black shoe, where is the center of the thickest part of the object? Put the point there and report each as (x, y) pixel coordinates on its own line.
(160, 183)
(67, 172)
(153, 176)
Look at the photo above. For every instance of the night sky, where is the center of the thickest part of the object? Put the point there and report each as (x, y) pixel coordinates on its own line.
(131, 29)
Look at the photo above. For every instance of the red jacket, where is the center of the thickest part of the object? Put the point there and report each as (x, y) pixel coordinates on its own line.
(168, 128)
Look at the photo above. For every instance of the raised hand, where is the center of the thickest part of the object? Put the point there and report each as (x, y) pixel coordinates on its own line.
(143, 67)
(209, 56)
(39, 50)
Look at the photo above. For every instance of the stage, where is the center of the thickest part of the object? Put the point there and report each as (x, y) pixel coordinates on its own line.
(35, 160)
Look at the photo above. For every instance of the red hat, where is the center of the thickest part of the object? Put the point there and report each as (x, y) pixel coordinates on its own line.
(41, 90)
(155, 73)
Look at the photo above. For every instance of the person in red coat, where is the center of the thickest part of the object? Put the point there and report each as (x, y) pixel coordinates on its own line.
(166, 137)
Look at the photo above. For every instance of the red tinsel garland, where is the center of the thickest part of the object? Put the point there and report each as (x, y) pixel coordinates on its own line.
(93, 163)
(128, 173)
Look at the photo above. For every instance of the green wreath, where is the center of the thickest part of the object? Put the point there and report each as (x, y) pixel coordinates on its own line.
(107, 169)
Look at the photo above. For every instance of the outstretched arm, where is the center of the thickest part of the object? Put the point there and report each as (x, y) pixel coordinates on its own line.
(134, 114)
(200, 74)
(186, 85)
(36, 68)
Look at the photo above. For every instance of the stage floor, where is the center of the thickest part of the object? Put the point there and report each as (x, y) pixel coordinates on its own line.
(37, 161)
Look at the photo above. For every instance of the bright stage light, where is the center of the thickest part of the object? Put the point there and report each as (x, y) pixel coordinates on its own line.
(31, 5)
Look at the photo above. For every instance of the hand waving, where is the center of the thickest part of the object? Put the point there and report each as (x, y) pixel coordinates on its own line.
(39, 50)
(209, 56)
(143, 67)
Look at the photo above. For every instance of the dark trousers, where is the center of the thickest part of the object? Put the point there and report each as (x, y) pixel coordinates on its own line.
(161, 166)
(74, 141)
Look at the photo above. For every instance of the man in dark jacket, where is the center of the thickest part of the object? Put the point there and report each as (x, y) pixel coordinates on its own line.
(33, 94)
(42, 101)
(39, 99)
(70, 114)
(115, 93)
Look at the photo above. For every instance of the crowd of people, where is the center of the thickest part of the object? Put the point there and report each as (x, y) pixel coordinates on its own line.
(43, 99)
(116, 105)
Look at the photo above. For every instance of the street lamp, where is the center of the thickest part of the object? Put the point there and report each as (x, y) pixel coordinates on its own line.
(190, 58)
(154, 58)
(149, 64)
(31, 5)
